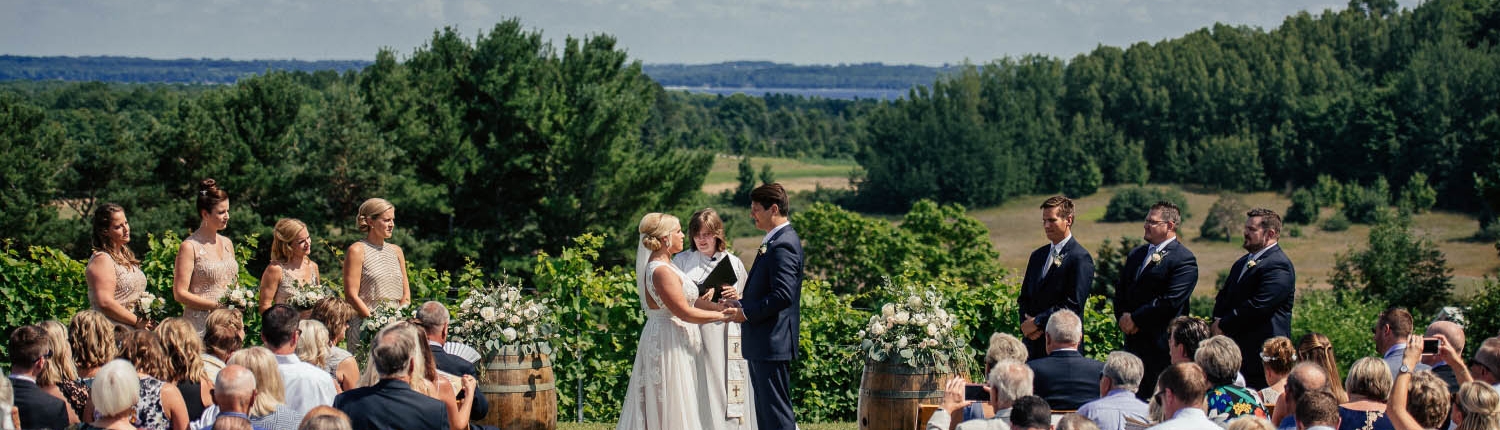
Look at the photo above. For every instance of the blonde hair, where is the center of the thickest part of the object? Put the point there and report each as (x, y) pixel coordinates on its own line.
(420, 381)
(184, 350)
(144, 350)
(1317, 349)
(282, 236)
(93, 338)
(1278, 354)
(655, 230)
(116, 389)
(1251, 423)
(270, 393)
(221, 330)
(312, 347)
(370, 209)
(335, 314)
(325, 417)
(59, 368)
(1369, 377)
(1480, 406)
(1004, 346)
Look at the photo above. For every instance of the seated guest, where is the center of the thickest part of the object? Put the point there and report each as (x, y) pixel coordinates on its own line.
(234, 394)
(335, 314)
(1419, 400)
(1183, 336)
(391, 403)
(306, 385)
(1251, 423)
(114, 394)
(1317, 411)
(1476, 407)
(1305, 378)
(1065, 377)
(1183, 386)
(1485, 367)
(1117, 400)
(1031, 413)
(161, 405)
(325, 418)
(223, 334)
(28, 359)
(1454, 335)
(1277, 356)
(433, 318)
(1003, 346)
(185, 365)
(1315, 348)
(1219, 357)
(1008, 381)
(225, 422)
(1392, 329)
(60, 378)
(1368, 386)
(1077, 422)
(269, 410)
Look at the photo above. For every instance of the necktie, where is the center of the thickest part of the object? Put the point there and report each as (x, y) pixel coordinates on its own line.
(1150, 250)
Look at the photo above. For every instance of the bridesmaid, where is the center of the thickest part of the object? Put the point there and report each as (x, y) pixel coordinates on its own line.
(290, 266)
(114, 274)
(708, 251)
(205, 262)
(374, 270)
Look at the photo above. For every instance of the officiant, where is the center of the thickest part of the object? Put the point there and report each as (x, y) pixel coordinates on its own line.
(711, 266)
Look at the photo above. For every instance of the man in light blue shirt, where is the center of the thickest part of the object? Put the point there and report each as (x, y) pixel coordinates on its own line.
(1183, 386)
(1117, 386)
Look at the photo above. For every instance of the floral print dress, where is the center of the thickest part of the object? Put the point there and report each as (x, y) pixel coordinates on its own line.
(1228, 402)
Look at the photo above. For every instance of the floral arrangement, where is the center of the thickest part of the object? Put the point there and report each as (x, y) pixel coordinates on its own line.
(915, 331)
(150, 307)
(384, 314)
(501, 319)
(240, 298)
(307, 295)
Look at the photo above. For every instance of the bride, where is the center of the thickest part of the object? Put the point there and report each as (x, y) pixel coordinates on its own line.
(665, 384)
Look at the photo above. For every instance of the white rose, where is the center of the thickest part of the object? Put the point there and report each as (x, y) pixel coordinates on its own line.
(901, 342)
(919, 319)
(515, 320)
(914, 301)
(902, 317)
(942, 314)
(469, 302)
(932, 330)
(877, 329)
(488, 313)
(888, 310)
(509, 334)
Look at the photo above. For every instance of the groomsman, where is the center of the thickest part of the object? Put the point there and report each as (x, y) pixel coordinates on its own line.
(1255, 302)
(1154, 287)
(1058, 275)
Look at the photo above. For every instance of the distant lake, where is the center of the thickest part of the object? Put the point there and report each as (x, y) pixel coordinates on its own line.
(827, 93)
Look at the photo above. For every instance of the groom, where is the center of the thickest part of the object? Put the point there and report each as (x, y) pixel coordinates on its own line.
(771, 309)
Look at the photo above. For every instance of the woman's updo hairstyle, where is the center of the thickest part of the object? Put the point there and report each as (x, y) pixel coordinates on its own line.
(285, 232)
(103, 217)
(1479, 404)
(370, 209)
(654, 229)
(209, 195)
(1278, 354)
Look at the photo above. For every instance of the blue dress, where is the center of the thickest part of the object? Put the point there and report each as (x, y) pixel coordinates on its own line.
(1363, 420)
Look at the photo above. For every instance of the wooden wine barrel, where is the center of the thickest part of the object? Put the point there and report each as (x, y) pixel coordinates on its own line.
(522, 392)
(889, 395)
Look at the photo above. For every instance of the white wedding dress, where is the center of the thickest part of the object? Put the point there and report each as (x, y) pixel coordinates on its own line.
(666, 382)
(725, 412)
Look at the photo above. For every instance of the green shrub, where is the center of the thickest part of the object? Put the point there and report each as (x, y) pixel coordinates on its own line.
(1335, 222)
(600, 320)
(1417, 195)
(1345, 317)
(1225, 218)
(1397, 267)
(1130, 204)
(1363, 205)
(1109, 262)
(1483, 313)
(1304, 209)
(852, 252)
(1328, 192)
(1293, 230)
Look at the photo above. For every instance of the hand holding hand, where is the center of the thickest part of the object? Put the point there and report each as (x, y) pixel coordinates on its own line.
(706, 301)
(732, 314)
(1028, 327)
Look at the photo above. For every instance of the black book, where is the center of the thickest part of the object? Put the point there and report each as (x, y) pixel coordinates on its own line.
(723, 274)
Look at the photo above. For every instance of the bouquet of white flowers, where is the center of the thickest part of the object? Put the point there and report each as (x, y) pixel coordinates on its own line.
(150, 307)
(914, 331)
(306, 295)
(500, 318)
(383, 314)
(241, 298)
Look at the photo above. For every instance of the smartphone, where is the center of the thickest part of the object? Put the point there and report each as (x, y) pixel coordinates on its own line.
(976, 393)
(1430, 346)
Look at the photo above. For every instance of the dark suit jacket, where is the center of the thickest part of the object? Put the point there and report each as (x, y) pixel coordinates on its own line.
(1156, 297)
(1066, 379)
(1065, 287)
(1445, 372)
(454, 365)
(391, 404)
(38, 409)
(772, 300)
(1257, 307)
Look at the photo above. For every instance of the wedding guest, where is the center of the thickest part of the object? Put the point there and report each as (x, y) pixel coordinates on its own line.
(113, 273)
(1392, 328)
(1065, 377)
(1317, 411)
(1255, 302)
(432, 317)
(306, 386)
(1183, 336)
(1078, 422)
(335, 314)
(1251, 423)
(116, 394)
(313, 347)
(185, 365)
(28, 352)
(269, 409)
(1220, 360)
(1183, 386)
(1058, 275)
(234, 395)
(1003, 347)
(391, 402)
(205, 267)
(223, 335)
(1305, 378)
(1452, 333)
(430, 381)
(374, 269)
(1008, 380)
(290, 269)
(1031, 413)
(1277, 356)
(161, 405)
(1117, 401)
(92, 337)
(1368, 386)
(1317, 349)
(325, 418)
(60, 377)
(709, 246)
(1476, 407)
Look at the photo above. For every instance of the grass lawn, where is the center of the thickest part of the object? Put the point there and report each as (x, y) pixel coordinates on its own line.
(608, 426)
(794, 174)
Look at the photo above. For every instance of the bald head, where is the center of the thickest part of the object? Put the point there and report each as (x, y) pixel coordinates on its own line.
(1450, 330)
(234, 388)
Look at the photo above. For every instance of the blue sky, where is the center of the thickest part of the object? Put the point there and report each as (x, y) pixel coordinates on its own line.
(930, 32)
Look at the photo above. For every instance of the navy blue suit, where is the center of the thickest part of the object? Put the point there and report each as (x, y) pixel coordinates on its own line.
(772, 304)
(1066, 379)
(1257, 307)
(454, 365)
(39, 410)
(1066, 286)
(1153, 299)
(392, 404)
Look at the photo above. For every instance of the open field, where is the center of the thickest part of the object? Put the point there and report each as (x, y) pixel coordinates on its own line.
(794, 174)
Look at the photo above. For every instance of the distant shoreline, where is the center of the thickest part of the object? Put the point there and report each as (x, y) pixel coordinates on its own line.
(827, 93)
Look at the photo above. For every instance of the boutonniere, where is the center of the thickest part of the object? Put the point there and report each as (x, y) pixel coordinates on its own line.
(1056, 260)
(761, 250)
(1250, 265)
(1156, 258)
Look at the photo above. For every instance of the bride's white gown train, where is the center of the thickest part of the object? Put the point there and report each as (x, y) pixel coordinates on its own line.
(666, 385)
